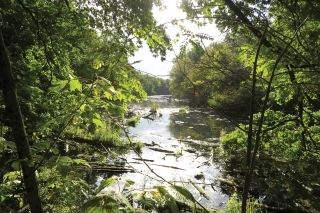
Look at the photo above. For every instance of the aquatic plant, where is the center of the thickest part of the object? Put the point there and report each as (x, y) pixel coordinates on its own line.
(234, 206)
(108, 134)
(154, 108)
(184, 109)
(138, 146)
(179, 151)
(133, 121)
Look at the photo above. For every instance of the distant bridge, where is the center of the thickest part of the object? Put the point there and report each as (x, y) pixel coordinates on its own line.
(152, 74)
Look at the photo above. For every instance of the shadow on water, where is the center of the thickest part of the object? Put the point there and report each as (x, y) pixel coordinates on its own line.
(287, 186)
(181, 148)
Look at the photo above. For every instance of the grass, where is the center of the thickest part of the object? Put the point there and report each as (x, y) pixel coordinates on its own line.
(184, 109)
(138, 146)
(133, 121)
(107, 135)
(154, 108)
(234, 206)
(223, 132)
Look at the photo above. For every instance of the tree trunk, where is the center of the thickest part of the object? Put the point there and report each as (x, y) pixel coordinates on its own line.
(9, 91)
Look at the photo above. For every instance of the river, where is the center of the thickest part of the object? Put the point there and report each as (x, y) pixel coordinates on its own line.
(181, 148)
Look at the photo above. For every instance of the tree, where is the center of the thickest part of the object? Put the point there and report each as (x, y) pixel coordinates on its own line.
(61, 63)
(180, 85)
(283, 62)
(218, 76)
(151, 84)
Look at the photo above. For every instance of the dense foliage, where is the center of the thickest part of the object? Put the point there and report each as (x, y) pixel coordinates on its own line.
(153, 85)
(213, 76)
(279, 45)
(65, 82)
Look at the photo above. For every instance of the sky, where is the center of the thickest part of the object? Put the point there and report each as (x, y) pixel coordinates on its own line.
(154, 66)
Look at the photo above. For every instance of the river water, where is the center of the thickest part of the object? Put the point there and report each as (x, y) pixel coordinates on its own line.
(181, 148)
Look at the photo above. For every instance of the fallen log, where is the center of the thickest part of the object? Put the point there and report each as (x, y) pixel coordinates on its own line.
(148, 116)
(190, 150)
(200, 190)
(172, 167)
(230, 183)
(160, 150)
(200, 143)
(151, 144)
(114, 169)
(143, 159)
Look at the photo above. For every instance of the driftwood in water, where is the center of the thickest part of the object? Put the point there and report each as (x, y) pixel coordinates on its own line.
(151, 144)
(172, 167)
(190, 150)
(153, 164)
(170, 154)
(200, 143)
(111, 168)
(160, 150)
(143, 159)
(233, 184)
(230, 183)
(148, 116)
(200, 190)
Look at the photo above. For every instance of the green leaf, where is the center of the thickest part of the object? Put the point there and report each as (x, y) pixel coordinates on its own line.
(112, 90)
(55, 151)
(65, 160)
(170, 200)
(147, 202)
(108, 95)
(105, 183)
(140, 211)
(101, 204)
(183, 191)
(58, 85)
(150, 42)
(11, 175)
(82, 162)
(172, 204)
(28, 162)
(124, 200)
(63, 169)
(75, 85)
(35, 91)
(105, 80)
(4, 144)
(10, 144)
(116, 110)
(156, 195)
(16, 165)
(129, 183)
(43, 145)
(97, 122)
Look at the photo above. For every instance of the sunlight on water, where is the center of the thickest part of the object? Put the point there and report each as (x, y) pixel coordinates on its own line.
(180, 151)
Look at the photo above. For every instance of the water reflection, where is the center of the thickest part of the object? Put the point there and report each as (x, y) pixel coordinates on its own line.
(197, 124)
(190, 139)
(184, 149)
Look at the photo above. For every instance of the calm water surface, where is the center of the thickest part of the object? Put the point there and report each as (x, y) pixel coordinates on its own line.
(193, 135)
(189, 134)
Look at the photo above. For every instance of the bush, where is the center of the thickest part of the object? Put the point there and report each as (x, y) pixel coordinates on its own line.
(133, 121)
